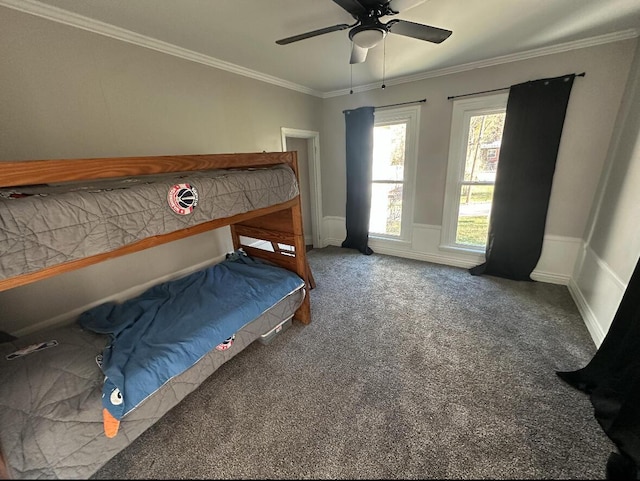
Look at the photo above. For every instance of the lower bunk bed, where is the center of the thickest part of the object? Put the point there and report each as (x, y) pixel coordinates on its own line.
(55, 393)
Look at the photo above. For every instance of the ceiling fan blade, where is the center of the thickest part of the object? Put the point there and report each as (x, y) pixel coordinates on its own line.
(358, 53)
(418, 30)
(313, 33)
(354, 7)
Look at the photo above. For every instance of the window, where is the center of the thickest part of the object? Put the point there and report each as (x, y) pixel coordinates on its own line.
(474, 152)
(394, 159)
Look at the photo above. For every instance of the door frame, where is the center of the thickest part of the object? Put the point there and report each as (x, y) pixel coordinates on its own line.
(315, 195)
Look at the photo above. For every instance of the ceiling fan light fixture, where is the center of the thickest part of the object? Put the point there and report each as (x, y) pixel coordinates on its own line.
(368, 38)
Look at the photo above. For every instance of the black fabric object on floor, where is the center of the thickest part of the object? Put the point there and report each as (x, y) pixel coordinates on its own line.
(359, 125)
(530, 140)
(6, 337)
(612, 379)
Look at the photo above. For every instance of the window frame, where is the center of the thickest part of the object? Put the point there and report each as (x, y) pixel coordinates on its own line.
(463, 110)
(411, 116)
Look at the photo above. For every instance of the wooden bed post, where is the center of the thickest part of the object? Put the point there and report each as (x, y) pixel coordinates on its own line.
(4, 472)
(283, 227)
(302, 266)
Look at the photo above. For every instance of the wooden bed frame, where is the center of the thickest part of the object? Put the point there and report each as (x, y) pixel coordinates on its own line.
(4, 473)
(278, 224)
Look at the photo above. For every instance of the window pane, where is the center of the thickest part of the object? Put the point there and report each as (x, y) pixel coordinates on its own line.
(473, 216)
(483, 148)
(388, 152)
(386, 208)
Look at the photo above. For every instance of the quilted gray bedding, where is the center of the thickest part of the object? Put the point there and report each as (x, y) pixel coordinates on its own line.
(50, 406)
(45, 225)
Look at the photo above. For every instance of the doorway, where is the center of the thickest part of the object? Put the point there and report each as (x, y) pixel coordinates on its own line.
(307, 144)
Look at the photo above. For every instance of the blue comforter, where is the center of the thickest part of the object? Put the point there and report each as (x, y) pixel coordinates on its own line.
(169, 327)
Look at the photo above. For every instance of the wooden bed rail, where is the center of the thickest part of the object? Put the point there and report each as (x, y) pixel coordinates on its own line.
(4, 472)
(30, 172)
(283, 226)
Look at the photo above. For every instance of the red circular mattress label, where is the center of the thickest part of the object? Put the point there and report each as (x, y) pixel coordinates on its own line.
(223, 346)
(182, 198)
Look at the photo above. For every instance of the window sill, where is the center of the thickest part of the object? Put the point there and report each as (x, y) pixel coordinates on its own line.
(462, 250)
(390, 240)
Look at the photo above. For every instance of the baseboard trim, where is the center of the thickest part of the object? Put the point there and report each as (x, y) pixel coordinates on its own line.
(597, 291)
(422, 256)
(551, 277)
(588, 316)
(555, 266)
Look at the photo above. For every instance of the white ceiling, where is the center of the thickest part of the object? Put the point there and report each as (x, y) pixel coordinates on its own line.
(240, 35)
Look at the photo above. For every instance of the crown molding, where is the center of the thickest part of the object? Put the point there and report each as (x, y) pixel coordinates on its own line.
(66, 17)
(538, 52)
(59, 15)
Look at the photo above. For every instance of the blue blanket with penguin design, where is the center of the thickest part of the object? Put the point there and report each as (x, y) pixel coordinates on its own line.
(169, 327)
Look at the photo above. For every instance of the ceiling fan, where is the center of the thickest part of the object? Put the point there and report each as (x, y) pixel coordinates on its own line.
(368, 31)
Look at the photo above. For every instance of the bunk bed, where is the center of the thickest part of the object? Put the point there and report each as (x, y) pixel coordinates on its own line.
(57, 404)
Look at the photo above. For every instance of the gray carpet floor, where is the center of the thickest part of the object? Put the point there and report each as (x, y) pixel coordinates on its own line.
(409, 370)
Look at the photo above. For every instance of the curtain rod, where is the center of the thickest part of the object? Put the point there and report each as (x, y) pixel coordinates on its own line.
(394, 105)
(496, 90)
(403, 103)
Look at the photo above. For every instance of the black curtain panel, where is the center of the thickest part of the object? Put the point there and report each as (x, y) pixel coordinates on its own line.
(359, 136)
(532, 130)
(612, 379)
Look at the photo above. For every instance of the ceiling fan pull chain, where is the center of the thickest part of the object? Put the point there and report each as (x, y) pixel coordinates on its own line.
(384, 60)
(351, 84)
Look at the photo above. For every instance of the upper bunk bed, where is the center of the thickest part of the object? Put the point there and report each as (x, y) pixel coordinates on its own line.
(61, 215)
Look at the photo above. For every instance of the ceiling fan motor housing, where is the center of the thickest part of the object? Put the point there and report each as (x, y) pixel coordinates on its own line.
(367, 36)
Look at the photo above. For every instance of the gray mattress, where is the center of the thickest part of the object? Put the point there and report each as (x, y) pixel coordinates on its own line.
(50, 405)
(45, 225)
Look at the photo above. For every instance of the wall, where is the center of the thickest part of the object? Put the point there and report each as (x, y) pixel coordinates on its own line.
(68, 93)
(612, 237)
(592, 110)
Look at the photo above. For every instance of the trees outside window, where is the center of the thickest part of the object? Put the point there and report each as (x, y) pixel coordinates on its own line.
(474, 153)
(394, 160)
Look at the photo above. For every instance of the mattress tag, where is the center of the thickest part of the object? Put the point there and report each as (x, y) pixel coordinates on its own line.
(32, 348)
(223, 346)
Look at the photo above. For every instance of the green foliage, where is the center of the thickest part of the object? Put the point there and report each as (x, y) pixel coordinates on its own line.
(479, 194)
(393, 227)
(483, 130)
(398, 143)
(491, 128)
(473, 230)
